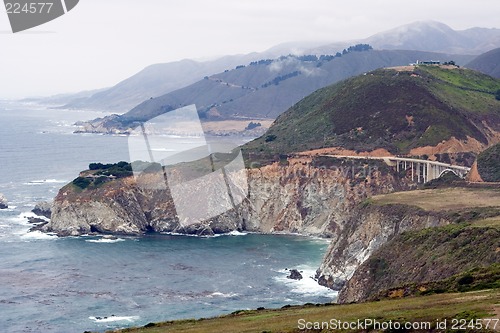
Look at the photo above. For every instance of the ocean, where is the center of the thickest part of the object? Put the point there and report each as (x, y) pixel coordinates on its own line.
(51, 284)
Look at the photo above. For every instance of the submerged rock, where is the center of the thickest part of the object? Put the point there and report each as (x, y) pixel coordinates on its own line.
(3, 202)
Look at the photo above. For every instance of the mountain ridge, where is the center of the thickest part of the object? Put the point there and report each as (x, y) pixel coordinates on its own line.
(263, 89)
(133, 90)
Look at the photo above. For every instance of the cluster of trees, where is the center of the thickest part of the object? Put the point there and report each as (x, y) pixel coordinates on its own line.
(358, 48)
(280, 78)
(119, 170)
(103, 173)
(262, 62)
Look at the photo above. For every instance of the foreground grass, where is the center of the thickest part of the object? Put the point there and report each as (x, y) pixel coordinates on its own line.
(470, 305)
(443, 199)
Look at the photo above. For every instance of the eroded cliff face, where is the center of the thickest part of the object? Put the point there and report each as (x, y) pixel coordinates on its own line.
(122, 207)
(309, 196)
(369, 227)
(404, 262)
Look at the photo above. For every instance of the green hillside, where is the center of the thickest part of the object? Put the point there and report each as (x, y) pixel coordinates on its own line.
(388, 108)
(488, 164)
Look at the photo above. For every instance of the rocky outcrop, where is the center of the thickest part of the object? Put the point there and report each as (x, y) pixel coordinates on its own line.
(122, 207)
(107, 125)
(3, 202)
(368, 228)
(309, 196)
(43, 208)
(294, 275)
(405, 261)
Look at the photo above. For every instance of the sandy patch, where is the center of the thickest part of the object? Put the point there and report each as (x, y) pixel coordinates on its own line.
(409, 68)
(234, 125)
(452, 145)
(345, 152)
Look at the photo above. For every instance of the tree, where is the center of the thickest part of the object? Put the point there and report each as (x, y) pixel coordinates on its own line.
(497, 95)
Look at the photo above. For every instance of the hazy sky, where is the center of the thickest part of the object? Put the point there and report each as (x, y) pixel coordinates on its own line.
(101, 42)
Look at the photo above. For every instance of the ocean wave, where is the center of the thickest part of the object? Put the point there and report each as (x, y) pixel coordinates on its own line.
(38, 235)
(22, 218)
(114, 318)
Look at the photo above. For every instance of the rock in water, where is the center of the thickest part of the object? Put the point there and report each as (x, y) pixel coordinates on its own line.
(43, 208)
(3, 202)
(295, 275)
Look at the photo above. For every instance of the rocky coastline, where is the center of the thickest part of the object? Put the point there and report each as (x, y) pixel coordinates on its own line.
(369, 228)
(325, 197)
(305, 195)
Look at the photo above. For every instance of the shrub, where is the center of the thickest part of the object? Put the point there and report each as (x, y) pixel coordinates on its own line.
(81, 182)
(271, 138)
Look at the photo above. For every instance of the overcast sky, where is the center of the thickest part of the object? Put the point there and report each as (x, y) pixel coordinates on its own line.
(101, 42)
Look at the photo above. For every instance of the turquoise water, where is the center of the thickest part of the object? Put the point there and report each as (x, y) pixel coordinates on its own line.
(50, 284)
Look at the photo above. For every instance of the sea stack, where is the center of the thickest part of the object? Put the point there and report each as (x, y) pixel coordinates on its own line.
(3, 202)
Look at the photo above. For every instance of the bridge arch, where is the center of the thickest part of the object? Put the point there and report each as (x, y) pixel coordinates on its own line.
(456, 173)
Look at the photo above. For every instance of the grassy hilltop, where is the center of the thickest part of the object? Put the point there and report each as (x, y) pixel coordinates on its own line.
(396, 109)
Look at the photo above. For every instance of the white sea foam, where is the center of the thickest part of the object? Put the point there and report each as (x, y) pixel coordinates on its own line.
(22, 218)
(38, 235)
(114, 318)
(45, 181)
(307, 285)
(237, 233)
(219, 294)
(105, 240)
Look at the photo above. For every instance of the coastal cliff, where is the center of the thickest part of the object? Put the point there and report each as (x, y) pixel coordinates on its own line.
(307, 195)
(403, 241)
(399, 268)
(370, 226)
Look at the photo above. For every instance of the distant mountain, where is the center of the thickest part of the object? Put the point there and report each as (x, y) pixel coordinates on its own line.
(153, 81)
(61, 99)
(487, 63)
(159, 79)
(431, 36)
(263, 89)
(395, 109)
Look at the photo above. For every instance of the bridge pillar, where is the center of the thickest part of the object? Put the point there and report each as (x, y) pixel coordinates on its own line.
(412, 171)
